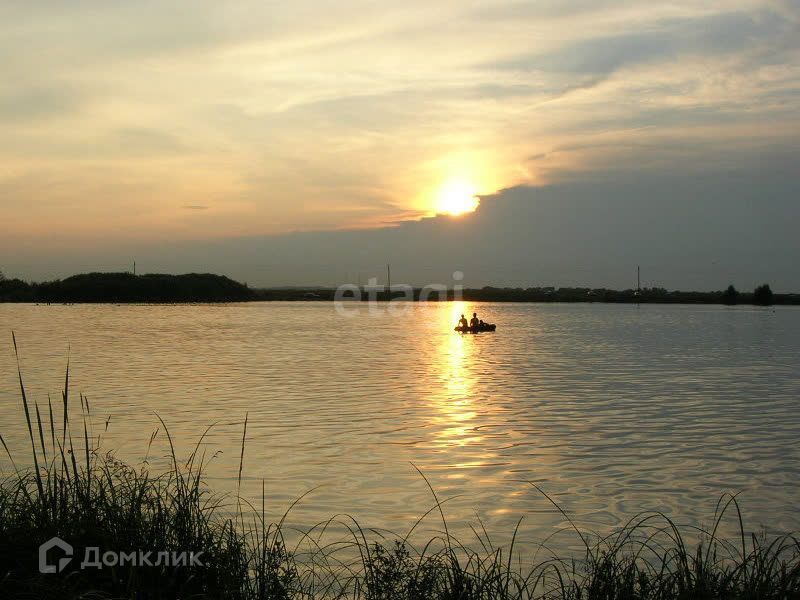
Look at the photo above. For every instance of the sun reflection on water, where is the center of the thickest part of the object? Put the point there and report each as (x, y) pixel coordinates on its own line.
(456, 415)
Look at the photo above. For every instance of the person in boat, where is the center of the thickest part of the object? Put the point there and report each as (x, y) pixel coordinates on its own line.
(474, 322)
(462, 322)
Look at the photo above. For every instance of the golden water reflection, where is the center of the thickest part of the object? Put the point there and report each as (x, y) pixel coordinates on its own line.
(455, 413)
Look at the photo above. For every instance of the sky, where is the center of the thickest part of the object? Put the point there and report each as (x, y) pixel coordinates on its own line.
(302, 143)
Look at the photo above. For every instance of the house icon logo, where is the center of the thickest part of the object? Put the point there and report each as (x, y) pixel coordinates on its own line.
(44, 549)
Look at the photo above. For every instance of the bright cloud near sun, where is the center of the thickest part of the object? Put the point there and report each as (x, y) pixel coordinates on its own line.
(280, 117)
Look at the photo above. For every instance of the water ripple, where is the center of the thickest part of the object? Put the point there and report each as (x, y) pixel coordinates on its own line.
(611, 409)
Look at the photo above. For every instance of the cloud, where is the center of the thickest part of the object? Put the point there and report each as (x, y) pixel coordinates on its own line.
(148, 141)
(664, 40)
(699, 230)
(22, 103)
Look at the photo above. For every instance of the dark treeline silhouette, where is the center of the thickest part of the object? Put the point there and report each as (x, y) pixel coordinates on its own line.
(126, 287)
(543, 294)
(730, 295)
(763, 295)
(645, 295)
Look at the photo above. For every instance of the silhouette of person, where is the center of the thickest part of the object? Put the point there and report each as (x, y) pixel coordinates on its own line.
(474, 322)
(463, 322)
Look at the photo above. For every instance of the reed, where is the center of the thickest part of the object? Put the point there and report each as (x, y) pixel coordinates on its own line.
(79, 493)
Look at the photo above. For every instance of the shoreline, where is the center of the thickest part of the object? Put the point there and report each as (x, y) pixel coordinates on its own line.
(126, 288)
(205, 302)
(791, 300)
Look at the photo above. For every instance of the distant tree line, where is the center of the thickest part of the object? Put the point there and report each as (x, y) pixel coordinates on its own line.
(194, 287)
(126, 287)
(762, 296)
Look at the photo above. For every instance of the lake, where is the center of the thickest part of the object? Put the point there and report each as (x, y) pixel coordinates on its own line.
(610, 409)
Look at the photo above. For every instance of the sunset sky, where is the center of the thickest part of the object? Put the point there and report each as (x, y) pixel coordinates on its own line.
(234, 136)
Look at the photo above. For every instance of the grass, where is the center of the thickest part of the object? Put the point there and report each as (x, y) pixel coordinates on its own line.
(91, 499)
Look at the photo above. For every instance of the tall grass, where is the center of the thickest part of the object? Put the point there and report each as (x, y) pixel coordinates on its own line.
(91, 499)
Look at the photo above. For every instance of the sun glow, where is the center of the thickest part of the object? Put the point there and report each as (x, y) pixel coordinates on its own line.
(457, 197)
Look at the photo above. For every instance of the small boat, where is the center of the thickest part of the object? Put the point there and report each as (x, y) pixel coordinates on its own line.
(484, 327)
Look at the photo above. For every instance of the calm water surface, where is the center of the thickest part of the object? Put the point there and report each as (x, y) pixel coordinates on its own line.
(610, 409)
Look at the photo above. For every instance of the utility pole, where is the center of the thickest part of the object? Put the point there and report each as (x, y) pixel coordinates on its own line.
(134, 268)
(389, 278)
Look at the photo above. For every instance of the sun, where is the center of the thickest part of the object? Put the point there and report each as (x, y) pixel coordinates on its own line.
(457, 197)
